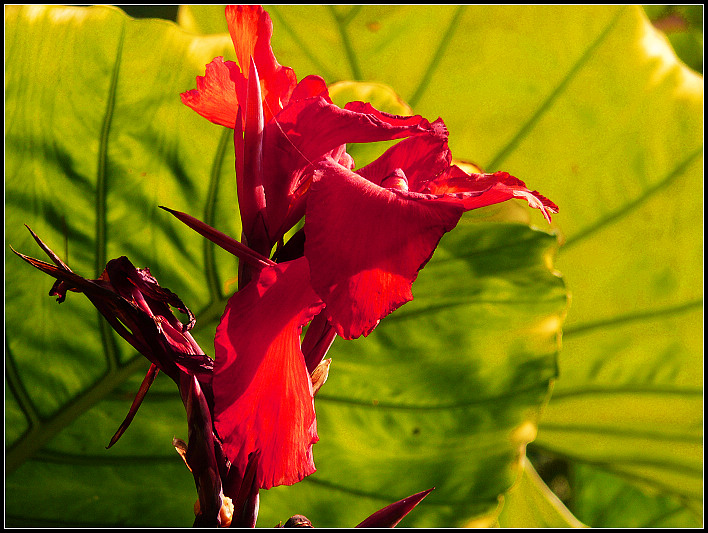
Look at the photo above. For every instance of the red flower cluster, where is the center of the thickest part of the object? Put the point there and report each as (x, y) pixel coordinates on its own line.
(367, 233)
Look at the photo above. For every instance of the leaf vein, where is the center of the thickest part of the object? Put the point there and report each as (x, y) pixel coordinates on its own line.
(435, 60)
(33, 440)
(554, 95)
(342, 23)
(633, 317)
(287, 28)
(110, 349)
(628, 389)
(627, 209)
(621, 432)
(374, 404)
(210, 271)
(18, 389)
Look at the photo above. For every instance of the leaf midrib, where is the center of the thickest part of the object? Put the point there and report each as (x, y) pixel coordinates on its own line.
(41, 430)
(542, 387)
(108, 341)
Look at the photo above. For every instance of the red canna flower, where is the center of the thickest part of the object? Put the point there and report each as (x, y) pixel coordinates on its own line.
(282, 127)
(369, 232)
(264, 380)
(225, 84)
(263, 394)
(366, 236)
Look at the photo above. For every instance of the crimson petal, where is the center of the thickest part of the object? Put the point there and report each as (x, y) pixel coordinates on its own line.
(216, 95)
(263, 399)
(473, 191)
(251, 29)
(421, 158)
(223, 87)
(305, 132)
(365, 245)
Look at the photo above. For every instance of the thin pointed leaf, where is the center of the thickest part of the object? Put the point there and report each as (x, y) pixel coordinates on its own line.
(392, 514)
(139, 397)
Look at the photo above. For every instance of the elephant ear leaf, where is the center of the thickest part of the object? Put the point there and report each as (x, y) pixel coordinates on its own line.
(628, 405)
(584, 104)
(93, 154)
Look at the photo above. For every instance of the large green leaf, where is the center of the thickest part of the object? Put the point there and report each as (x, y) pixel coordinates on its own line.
(585, 104)
(450, 388)
(97, 138)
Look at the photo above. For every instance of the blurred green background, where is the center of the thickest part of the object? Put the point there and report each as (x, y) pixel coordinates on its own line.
(683, 25)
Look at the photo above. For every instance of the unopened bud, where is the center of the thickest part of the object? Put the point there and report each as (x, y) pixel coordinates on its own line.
(298, 521)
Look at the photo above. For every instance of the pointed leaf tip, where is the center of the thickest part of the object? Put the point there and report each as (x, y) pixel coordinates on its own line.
(222, 240)
(392, 514)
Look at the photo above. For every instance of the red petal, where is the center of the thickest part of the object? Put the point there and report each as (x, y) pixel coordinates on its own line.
(251, 30)
(473, 191)
(365, 245)
(310, 87)
(421, 158)
(263, 398)
(215, 97)
(365, 108)
(305, 132)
